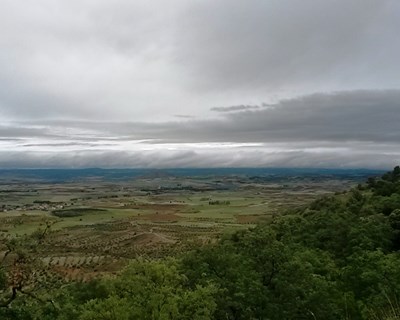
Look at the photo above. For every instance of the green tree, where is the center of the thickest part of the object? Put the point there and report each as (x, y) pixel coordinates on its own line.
(152, 290)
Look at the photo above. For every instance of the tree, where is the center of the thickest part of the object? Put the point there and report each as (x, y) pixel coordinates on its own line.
(152, 290)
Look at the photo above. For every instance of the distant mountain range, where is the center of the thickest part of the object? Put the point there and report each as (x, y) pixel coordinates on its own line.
(65, 175)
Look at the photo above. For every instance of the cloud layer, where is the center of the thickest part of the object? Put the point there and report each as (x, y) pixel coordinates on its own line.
(146, 61)
(351, 129)
(199, 83)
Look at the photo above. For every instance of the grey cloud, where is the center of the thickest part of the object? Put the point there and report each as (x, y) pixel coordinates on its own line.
(352, 128)
(365, 115)
(101, 75)
(234, 108)
(11, 132)
(145, 61)
(184, 116)
(66, 144)
(190, 158)
(272, 45)
(341, 116)
(69, 59)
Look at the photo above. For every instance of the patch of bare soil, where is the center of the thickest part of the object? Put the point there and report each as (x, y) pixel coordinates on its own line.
(150, 239)
(161, 217)
(248, 218)
(158, 207)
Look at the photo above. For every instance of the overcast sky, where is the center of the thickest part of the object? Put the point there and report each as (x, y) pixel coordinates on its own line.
(198, 83)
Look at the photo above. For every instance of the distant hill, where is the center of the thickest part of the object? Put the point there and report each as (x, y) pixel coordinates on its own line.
(65, 175)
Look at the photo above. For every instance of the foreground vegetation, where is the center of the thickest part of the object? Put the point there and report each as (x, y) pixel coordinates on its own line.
(336, 258)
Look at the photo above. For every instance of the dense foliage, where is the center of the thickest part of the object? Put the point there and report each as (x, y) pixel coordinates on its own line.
(336, 258)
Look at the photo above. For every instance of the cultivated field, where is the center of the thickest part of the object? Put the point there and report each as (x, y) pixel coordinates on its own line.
(97, 225)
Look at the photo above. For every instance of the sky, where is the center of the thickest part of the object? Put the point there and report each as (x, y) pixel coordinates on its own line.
(199, 83)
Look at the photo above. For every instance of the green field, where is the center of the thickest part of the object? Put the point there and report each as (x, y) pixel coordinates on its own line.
(151, 217)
